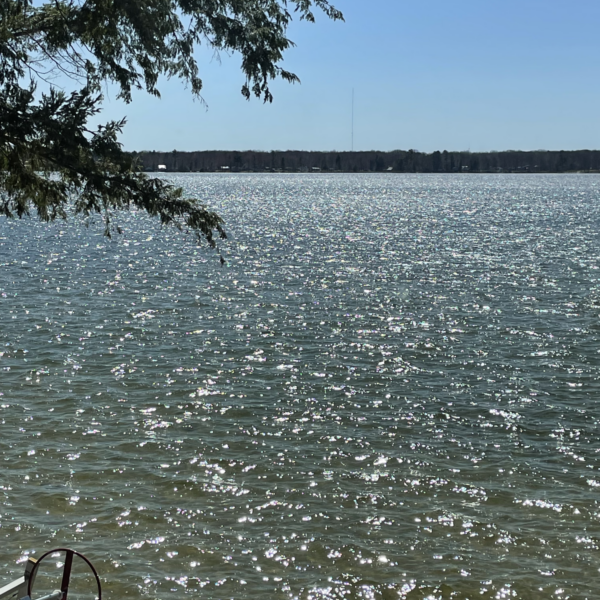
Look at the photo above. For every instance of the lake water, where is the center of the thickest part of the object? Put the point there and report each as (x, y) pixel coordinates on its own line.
(391, 390)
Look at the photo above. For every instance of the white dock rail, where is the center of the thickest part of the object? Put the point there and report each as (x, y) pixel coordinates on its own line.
(18, 588)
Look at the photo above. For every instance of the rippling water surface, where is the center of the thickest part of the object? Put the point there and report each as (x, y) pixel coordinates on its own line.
(390, 391)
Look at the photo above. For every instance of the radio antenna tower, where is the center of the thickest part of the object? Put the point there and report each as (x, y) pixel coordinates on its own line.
(352, 142)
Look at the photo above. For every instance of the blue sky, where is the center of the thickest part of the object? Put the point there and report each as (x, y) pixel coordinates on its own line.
(427, 74)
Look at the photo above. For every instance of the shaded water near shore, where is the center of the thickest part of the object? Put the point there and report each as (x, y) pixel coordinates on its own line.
(389, 391)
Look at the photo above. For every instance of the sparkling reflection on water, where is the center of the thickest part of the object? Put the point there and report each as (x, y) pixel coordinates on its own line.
(390, 391)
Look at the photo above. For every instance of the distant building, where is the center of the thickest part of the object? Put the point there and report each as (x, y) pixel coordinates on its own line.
(162, 167)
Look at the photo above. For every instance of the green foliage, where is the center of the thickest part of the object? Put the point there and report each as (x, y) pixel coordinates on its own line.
(49, 156)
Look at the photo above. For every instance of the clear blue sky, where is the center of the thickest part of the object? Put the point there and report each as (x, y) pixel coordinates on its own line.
(427, 74)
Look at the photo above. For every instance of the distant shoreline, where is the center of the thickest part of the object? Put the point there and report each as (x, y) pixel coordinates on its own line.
(396, 161)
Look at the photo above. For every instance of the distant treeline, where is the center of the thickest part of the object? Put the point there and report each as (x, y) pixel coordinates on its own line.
(400, 161)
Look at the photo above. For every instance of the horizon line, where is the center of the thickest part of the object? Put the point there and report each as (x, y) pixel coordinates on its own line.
(414, 150)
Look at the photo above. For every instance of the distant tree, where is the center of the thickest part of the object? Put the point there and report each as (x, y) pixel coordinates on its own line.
(49, 155)
(237, 160)
(410, 161)
(561, 163)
